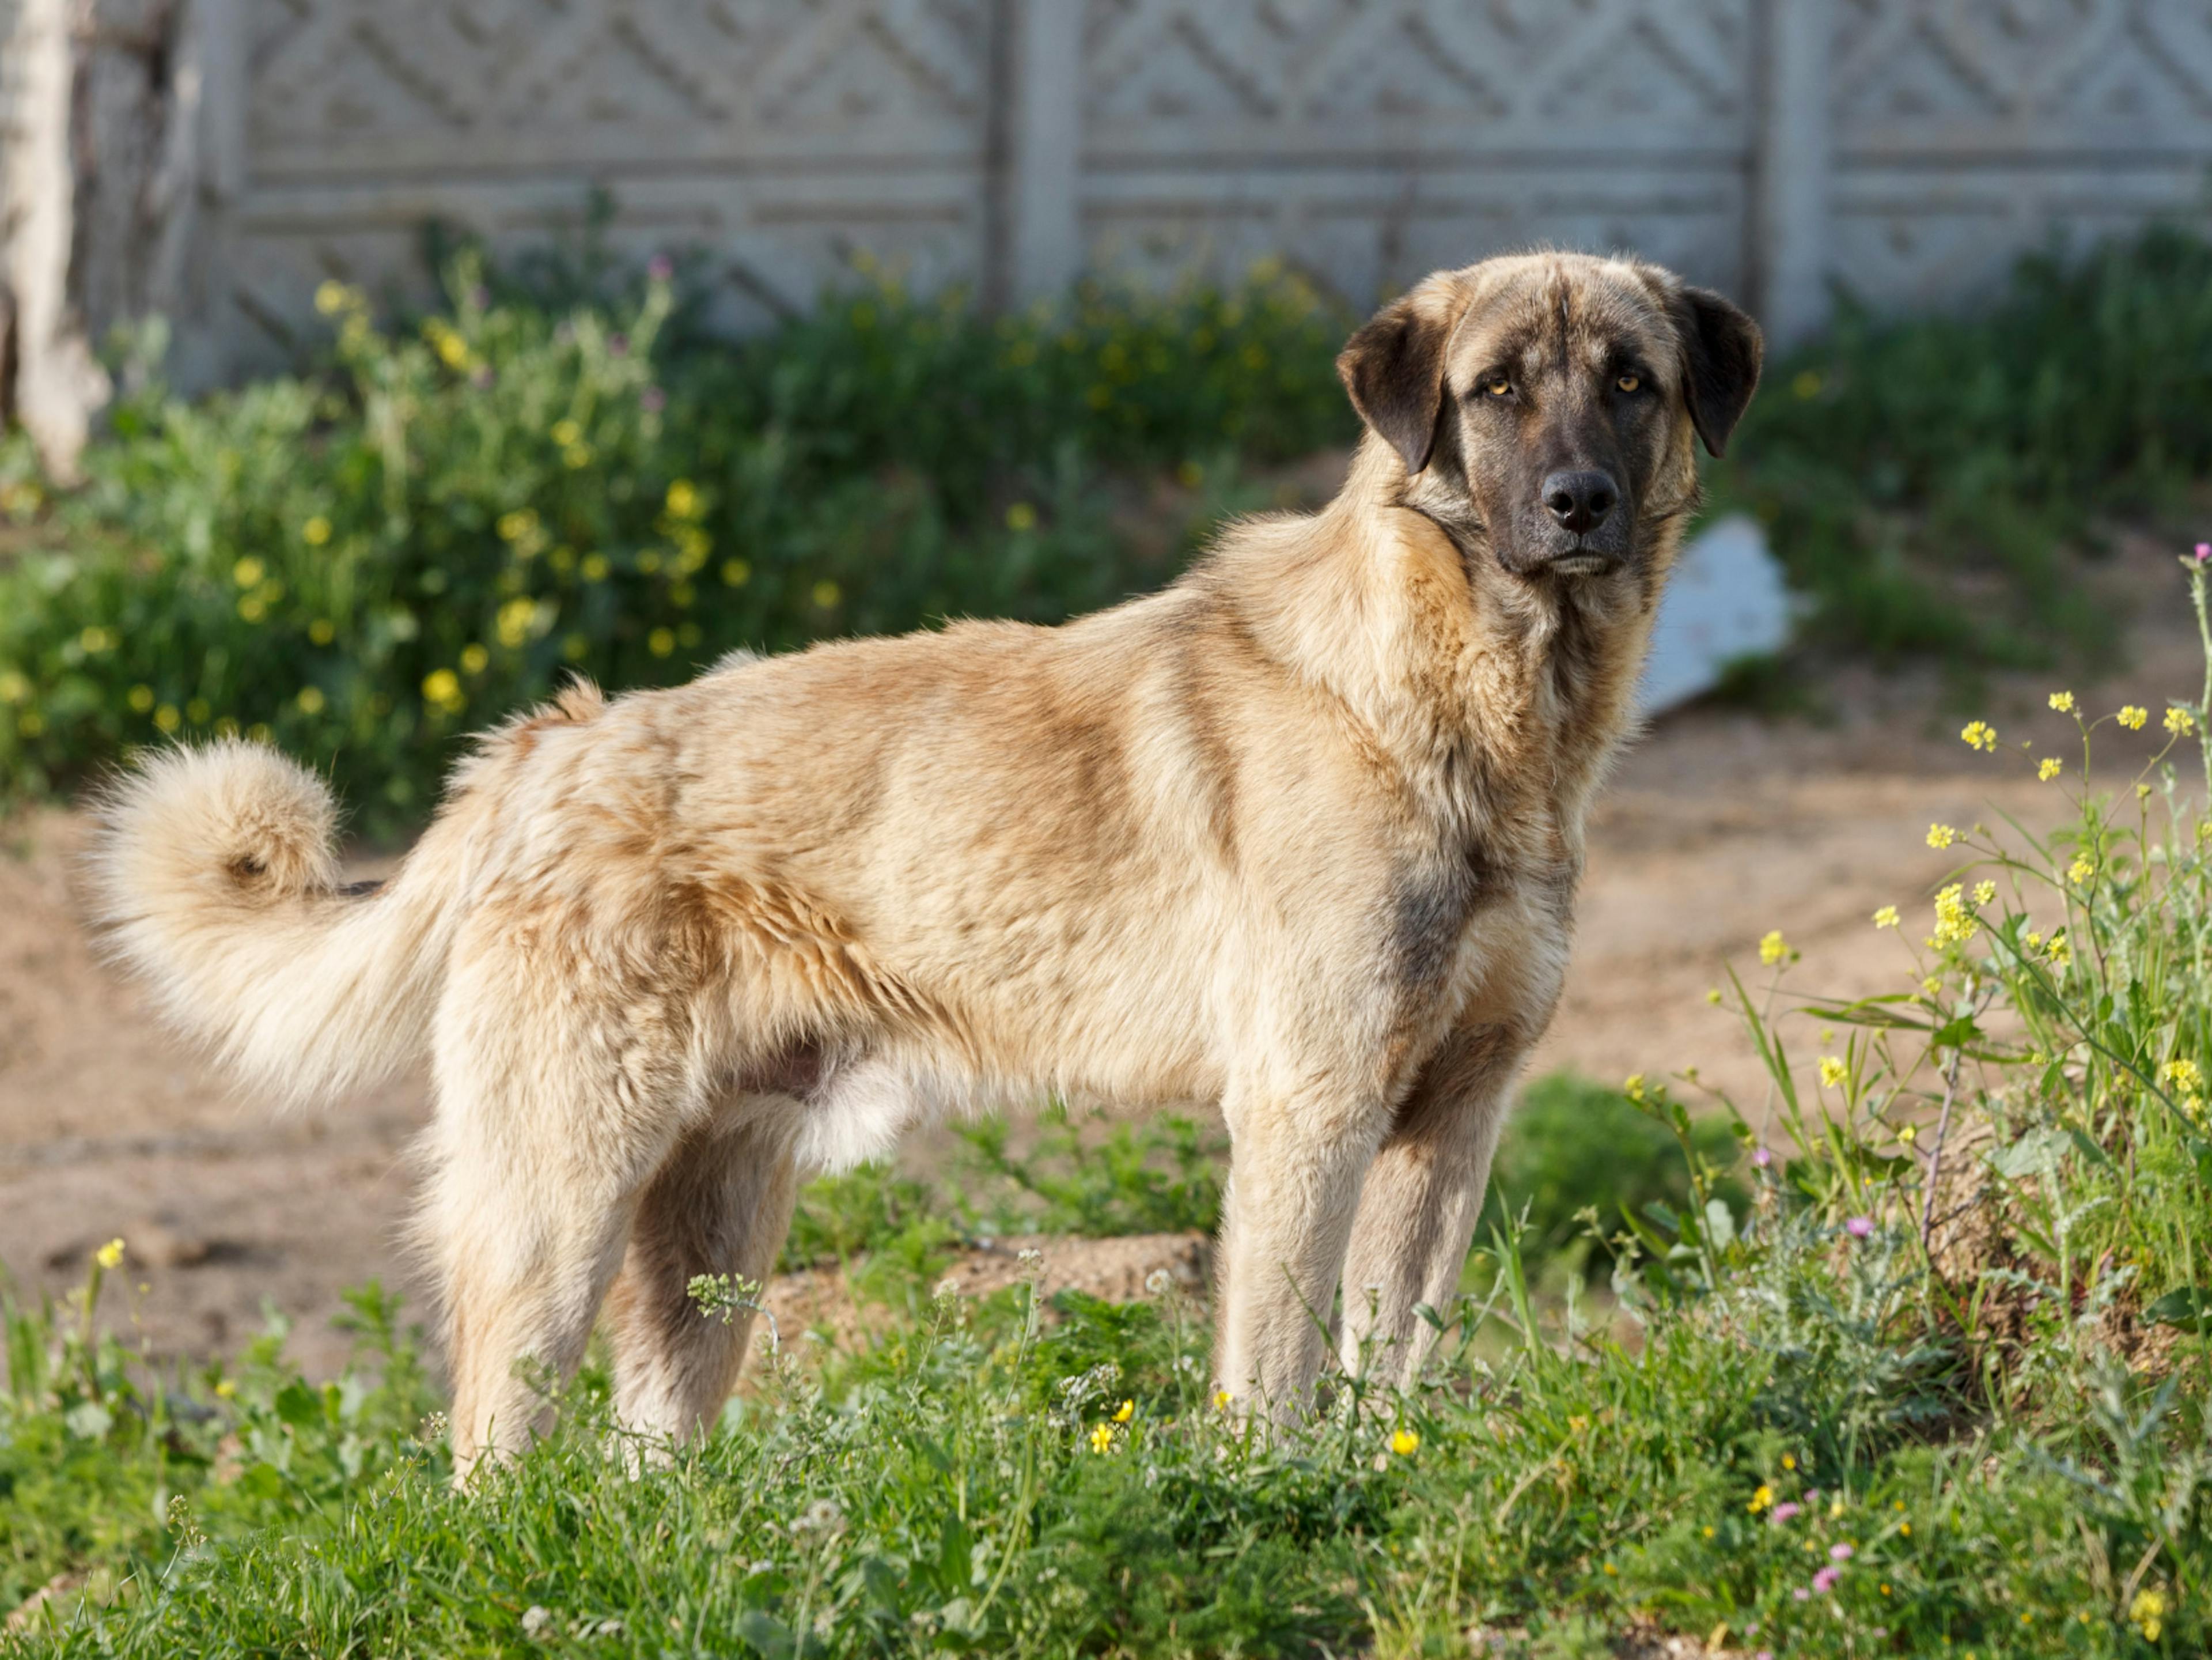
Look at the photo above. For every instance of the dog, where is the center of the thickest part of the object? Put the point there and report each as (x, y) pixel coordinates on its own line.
(1299, 835)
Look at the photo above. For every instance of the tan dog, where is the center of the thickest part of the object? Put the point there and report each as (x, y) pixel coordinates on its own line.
(1299, 834)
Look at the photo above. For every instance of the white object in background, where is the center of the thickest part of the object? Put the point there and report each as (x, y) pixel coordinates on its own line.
(1725, 600)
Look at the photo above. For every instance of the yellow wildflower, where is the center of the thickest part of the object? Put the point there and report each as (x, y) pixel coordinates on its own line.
(826, 594)
(1833, 1072)
(109, 1255)
(736, 573)
(2063, 702)
(516, 618)
(2062, 950)
(1940, 836)
(331, 298)
(315, 532)
(1713, 994)
(473, 658)
(453, 350)
(248, 572)
(1985, 892)
(2148, 1612)
(1102, 1439)
(1955, 920)
(682, 500)
(1125, 1412)
(1405, 1443)
(566, 432)
(1221, 1400)
(517, 525)
(1980, 735)
(1773, 947)
(1633, 1086)
(310, 700)
(660, 642)
(1760, 1499)
(1907, 1135)
(2181, 723)
(443, 688)
(1789, 1460)
(2048, 769)
(1932, 986)
(167, 717)
(2184, 1072)
(1886, 917)
(2082, 869)
(142, 699)
(2132, 716)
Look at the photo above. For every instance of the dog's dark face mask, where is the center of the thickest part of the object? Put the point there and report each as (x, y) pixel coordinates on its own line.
(1542, 405)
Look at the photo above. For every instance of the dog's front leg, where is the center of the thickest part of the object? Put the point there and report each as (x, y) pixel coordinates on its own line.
(1419, 1205)
(1294, 1180)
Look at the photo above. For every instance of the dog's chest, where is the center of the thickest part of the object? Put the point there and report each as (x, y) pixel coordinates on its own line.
(1465, 906)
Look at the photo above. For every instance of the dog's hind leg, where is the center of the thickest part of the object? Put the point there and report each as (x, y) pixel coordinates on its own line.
(554, 1110)
(719, 1204)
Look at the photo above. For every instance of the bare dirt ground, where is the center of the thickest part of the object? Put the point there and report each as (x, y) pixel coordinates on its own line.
(1719, 826)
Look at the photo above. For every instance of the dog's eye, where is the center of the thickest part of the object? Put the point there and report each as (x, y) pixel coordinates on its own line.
(1499, 387)
(1629, 382)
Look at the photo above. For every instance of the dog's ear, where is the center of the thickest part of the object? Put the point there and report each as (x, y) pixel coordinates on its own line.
(1721, 349)
(1394, 368)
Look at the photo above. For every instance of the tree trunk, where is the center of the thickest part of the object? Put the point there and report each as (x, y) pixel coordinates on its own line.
(100, 187)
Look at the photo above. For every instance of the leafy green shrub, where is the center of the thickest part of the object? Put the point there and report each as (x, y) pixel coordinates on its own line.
(369, 562)
(366, 564)
(1574, 1147)
(1161, 1175)
(1924, 475)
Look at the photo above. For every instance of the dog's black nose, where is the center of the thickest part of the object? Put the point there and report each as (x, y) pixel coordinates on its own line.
(1580, 501)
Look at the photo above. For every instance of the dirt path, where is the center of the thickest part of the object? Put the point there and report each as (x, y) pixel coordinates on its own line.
(1718, 827)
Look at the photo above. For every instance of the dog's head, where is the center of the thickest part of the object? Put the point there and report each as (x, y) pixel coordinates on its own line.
(1542, 404)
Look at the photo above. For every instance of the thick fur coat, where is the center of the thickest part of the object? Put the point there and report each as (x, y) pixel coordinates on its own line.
(1299, 834)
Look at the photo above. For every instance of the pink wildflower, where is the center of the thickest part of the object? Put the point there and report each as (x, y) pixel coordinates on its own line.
(1825, 1581)
(1859, 1226)
(1782, 1513)
(1839, 1553)
(1763, 1157)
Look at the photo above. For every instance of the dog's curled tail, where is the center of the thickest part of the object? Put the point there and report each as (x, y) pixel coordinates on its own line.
(214, 876)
